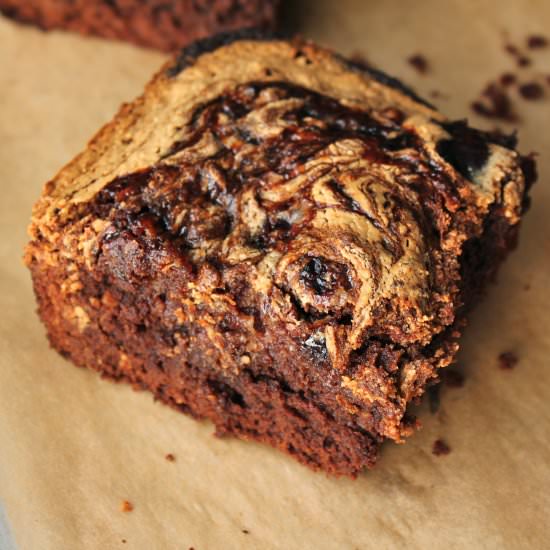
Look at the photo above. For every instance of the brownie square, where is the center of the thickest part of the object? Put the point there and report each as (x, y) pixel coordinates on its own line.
(161, 24)
(278, 240)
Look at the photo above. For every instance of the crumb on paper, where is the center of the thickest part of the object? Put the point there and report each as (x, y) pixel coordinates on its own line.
(170, 457)
(507, 79)
(507, 360)
(494, 103)
(537, 41)
(521, 59)
(440, 448)
(453, 378)
(126, 506)
(437, 94)
(418, 62)
(531, 91)
(123, 541)
(511, 49)
(246, 531)
(494, 100)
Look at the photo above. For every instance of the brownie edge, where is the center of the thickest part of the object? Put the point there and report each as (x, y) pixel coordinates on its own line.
(160, 24)
(277, 242)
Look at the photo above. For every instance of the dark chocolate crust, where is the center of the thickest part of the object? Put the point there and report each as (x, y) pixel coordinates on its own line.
(160, 24)
(277, 243)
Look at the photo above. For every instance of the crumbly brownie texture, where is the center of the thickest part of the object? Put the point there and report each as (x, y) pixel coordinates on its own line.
(162, 24)
(277, 241)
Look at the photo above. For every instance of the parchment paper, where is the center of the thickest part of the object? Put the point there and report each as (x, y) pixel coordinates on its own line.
(73, 446)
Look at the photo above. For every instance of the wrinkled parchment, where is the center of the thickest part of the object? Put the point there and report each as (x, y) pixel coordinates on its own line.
(73, 447)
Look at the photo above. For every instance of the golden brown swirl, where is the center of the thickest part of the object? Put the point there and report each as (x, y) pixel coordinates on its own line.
(333, 214)
(277, 187)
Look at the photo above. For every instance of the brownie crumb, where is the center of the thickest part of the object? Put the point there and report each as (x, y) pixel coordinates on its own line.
(507, 360)
(521, 60)
(126, 506)
(440, 448)
(531, 91)
(419, 62)
(436, 94)
(246, 531)
(507, 79)
(170, 457)
(495, 103)
(453, 378)
(537, 41)
(511, 49)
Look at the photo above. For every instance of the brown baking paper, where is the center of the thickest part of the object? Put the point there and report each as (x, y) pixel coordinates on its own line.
(73, 447)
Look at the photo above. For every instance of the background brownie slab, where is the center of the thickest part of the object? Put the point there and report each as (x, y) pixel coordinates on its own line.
(162, 24)
(276, 241)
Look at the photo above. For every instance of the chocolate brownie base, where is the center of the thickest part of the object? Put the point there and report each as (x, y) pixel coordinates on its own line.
(277, 242)
(160, 24)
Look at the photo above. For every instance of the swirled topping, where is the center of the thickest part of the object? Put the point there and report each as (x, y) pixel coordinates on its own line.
(298, 196)
(337, 216)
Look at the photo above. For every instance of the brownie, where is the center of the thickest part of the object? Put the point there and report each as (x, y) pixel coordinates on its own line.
(279, 241)
(162, 24)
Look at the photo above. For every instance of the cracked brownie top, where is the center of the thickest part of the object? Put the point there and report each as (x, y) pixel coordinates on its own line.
(342, 200)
